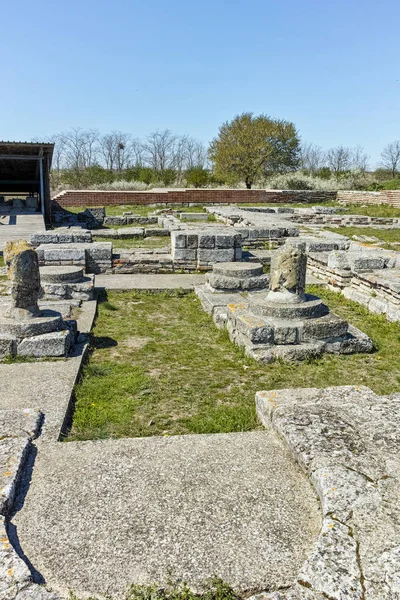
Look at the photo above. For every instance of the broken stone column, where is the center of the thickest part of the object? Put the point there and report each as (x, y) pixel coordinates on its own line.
(23, 271)
(26, 330)
(287, 280)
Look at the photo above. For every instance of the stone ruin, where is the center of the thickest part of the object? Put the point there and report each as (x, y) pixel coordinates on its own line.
(286, 322)
(25, 329)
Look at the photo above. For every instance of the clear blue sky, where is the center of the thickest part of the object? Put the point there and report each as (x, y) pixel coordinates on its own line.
(331, 67)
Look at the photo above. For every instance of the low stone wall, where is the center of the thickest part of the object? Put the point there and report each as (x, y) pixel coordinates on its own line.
(189, 196)
(391, 197)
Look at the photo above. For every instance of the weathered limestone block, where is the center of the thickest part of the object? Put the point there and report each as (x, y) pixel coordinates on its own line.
(23, 271)
(288, 275)
(56, 343)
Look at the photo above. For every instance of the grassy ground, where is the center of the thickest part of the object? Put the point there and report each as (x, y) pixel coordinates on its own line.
(160, 367)
(371, 210)
(2, 263)
(389, 236)
(148, 243)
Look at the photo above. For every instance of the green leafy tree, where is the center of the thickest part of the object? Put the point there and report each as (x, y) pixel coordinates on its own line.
(250, 147)
(197, 177)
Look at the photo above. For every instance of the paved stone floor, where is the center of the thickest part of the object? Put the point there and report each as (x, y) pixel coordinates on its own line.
(101, 515)
(43, 385)
(148, 281)
(19, 226)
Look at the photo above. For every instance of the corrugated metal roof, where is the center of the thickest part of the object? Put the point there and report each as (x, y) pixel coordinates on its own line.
(27, 143)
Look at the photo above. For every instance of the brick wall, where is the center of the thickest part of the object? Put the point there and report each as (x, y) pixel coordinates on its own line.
(391, 197)
(219, 196)
(189, 196)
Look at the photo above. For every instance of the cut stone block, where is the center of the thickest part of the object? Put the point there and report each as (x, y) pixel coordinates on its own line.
(207, 256)
(48, 321)
(240, 270)
(184, 254)
(207, 241)
(312, 307)
(257, 329)
(61, 274)
(57, 343)
(178, 240)
(131, 233)
(8, 345)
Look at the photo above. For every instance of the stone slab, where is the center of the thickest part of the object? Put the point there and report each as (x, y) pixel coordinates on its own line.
(346, 439)
(148, 282)
(46, 386)
(197, 505)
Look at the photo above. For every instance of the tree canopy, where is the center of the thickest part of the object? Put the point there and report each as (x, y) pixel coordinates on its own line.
(250, 147)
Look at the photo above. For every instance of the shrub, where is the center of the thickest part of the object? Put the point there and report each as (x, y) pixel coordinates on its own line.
(393, 184)
(197, 177)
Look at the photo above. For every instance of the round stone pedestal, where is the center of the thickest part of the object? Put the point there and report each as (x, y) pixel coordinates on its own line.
(237, 276)
(61, 274)
(311, 308)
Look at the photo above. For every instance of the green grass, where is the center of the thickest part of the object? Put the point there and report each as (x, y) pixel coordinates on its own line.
(160, 367)
(148, 243)
(213, 589)
(370, 210)
(2, 263)
(389, 236)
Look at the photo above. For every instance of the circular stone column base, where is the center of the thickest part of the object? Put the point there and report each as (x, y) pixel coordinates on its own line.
(46, 322)
(311, 308)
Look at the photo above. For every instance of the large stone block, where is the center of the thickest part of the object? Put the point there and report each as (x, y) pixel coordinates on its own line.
(207, 256)
(224, 241)
(178, 240)
(57, 343)
(115, 220)
(206, 240)
(184, 254)
(8, 346)
(46, 237)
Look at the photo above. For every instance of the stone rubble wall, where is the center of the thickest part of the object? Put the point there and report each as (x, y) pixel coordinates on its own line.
(370, 276)
(200, 249)
(95, 257)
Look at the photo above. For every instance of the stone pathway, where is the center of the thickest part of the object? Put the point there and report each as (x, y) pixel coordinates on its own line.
(101, 515)
(148, 282)
(46, 386)
(347, 440)
(19, 226)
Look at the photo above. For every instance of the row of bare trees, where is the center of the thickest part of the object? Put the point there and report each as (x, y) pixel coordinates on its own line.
(341, 159)
(79, 149)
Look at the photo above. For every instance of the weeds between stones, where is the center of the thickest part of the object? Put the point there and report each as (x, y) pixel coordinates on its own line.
(389, 236)
(159, 366)
(214, 589)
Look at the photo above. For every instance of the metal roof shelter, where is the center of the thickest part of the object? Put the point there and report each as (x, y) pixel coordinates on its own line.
(25, 169)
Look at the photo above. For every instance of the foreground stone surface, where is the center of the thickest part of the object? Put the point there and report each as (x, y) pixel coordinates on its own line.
(43, 385)
(347, 440)
(101, 515)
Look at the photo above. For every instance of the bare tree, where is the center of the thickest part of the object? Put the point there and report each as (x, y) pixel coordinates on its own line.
(359, 160)
(81, 147)
(391, 157)
(195, 153)
(137, 152)
(339, 159)
(160, 150)
(312, 157)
